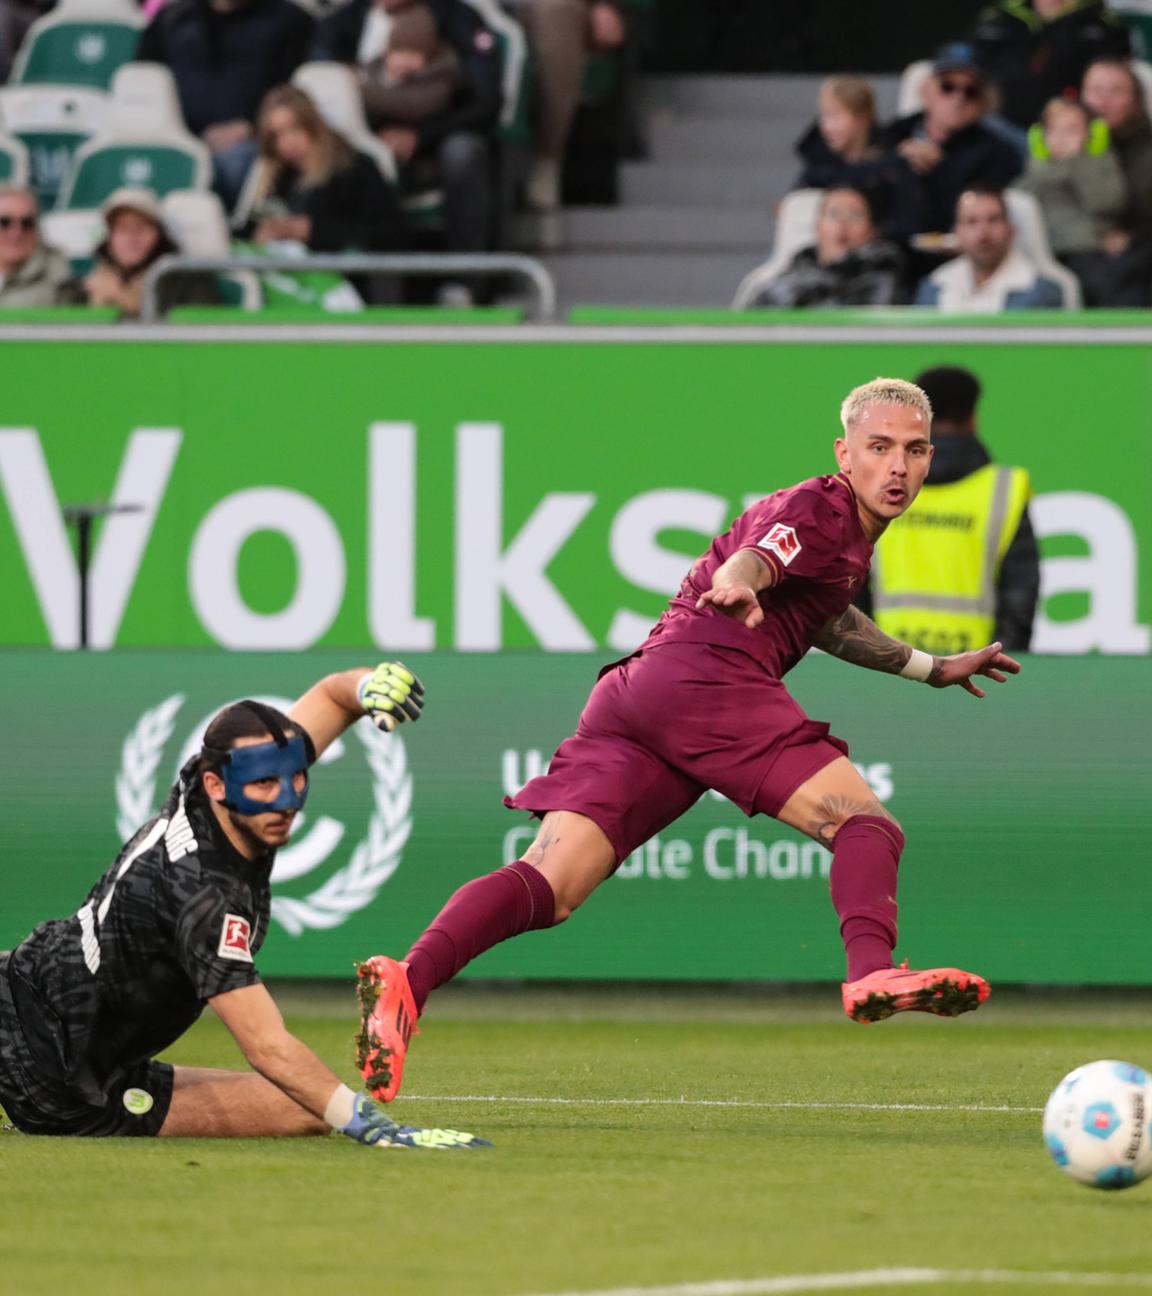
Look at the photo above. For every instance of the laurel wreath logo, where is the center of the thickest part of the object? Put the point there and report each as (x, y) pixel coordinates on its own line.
(139, 757)
(348, 890)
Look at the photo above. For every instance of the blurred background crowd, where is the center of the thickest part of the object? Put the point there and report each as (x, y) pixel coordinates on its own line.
(1007, 164)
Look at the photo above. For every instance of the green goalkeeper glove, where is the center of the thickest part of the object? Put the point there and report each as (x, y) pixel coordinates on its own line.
(390, 695)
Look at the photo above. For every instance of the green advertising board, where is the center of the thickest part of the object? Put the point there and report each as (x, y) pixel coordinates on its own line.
(511, 490)
(1027, 814)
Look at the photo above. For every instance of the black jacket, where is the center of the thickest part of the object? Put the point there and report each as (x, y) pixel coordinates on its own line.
(225, 63)
(476, 106)
(356, 209)
(1018, 583)
(897, 198)
(974, 153)
(1031, 61)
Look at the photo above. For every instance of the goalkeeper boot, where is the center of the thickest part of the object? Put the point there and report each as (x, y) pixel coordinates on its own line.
(387, 1023)
(947, 992)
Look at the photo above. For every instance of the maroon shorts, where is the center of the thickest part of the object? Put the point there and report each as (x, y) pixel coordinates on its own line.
(667, 724)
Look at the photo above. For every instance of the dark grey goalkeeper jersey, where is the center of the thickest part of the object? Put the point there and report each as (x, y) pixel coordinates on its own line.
(174, 921)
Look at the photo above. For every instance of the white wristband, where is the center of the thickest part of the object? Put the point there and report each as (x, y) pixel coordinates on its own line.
(918, 667)
(340, 1107)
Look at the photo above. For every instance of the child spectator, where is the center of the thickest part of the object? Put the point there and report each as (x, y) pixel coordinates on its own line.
(136, 240)
(842, 148)
(415, 78)
(849, 265)
(1079, 186)
(313, 187)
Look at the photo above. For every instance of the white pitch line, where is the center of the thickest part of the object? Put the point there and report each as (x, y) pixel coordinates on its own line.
(717, 1102)
(877, 1278)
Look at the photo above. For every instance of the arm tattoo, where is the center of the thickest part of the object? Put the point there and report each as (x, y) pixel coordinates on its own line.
(854, 638)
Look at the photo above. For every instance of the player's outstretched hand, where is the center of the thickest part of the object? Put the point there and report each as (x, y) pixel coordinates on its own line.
(738, 601)
(390, 695)
(371, 1126)
(991, 662)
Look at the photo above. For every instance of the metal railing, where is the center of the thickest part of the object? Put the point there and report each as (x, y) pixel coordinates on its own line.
(541, 307)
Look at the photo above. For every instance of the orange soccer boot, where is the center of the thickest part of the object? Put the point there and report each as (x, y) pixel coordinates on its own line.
(947, 992)
(387, 1023)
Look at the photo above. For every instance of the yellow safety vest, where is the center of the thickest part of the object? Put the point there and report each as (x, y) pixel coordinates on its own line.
(935, 569)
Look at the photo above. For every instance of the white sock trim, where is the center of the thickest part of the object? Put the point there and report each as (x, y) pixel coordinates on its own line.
(918, 667)
(340, 1107)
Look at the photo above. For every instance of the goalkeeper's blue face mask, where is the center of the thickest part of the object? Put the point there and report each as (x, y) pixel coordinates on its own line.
(281, 759)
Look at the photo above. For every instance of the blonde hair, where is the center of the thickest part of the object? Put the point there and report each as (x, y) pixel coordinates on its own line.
(333, 152)
(853, 93)
(884, 391)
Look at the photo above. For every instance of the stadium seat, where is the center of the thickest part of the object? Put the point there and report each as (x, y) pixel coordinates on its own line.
(198, 225)
(336, 93)
(795, 229)
(908, 97)
(79, 43)
(76, 233)
(1032, 239)
(52, 122)
(13, 161)
(144, 143)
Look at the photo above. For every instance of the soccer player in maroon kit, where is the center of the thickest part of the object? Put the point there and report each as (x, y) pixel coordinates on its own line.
(701, 704)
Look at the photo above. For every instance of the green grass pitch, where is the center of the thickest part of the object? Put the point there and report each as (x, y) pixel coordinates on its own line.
(702, 1137)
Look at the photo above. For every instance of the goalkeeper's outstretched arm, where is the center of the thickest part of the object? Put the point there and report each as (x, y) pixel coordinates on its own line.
(855, 638)
(389, 693)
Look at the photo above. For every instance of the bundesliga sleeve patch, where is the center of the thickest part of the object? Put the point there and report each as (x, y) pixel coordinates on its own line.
(781, 540)
(235, 938)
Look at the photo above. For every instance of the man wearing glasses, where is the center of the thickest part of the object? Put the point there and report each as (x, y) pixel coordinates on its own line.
(31, 272)
(947, 146)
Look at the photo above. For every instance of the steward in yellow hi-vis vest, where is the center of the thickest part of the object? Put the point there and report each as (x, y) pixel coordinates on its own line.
(961, 567)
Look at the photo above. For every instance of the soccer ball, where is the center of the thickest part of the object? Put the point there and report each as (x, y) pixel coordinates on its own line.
(1098, 1124)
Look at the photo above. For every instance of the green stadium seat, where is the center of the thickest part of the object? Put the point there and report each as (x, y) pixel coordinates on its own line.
(64, 50)
(52, 123)
(143, 143)
(102, 167)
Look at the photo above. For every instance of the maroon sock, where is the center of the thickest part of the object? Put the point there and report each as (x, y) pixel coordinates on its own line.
(484, 912)
(865, 857)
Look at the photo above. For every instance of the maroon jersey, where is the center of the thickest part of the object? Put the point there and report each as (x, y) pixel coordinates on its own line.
(810, 535)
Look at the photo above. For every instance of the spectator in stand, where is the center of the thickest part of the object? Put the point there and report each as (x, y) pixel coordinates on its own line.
(1112, 91)
(313, 187)
(989, 275)
(560, 35)
(417, 76)
(32, 273)
(850, 264)
(1080, 188)
(136, 239)
(226, 55)
(1037, 51)
(452, 148)
(843, 148)
(947, 146)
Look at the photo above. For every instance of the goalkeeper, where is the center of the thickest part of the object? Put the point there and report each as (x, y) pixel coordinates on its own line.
(87, 1002)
